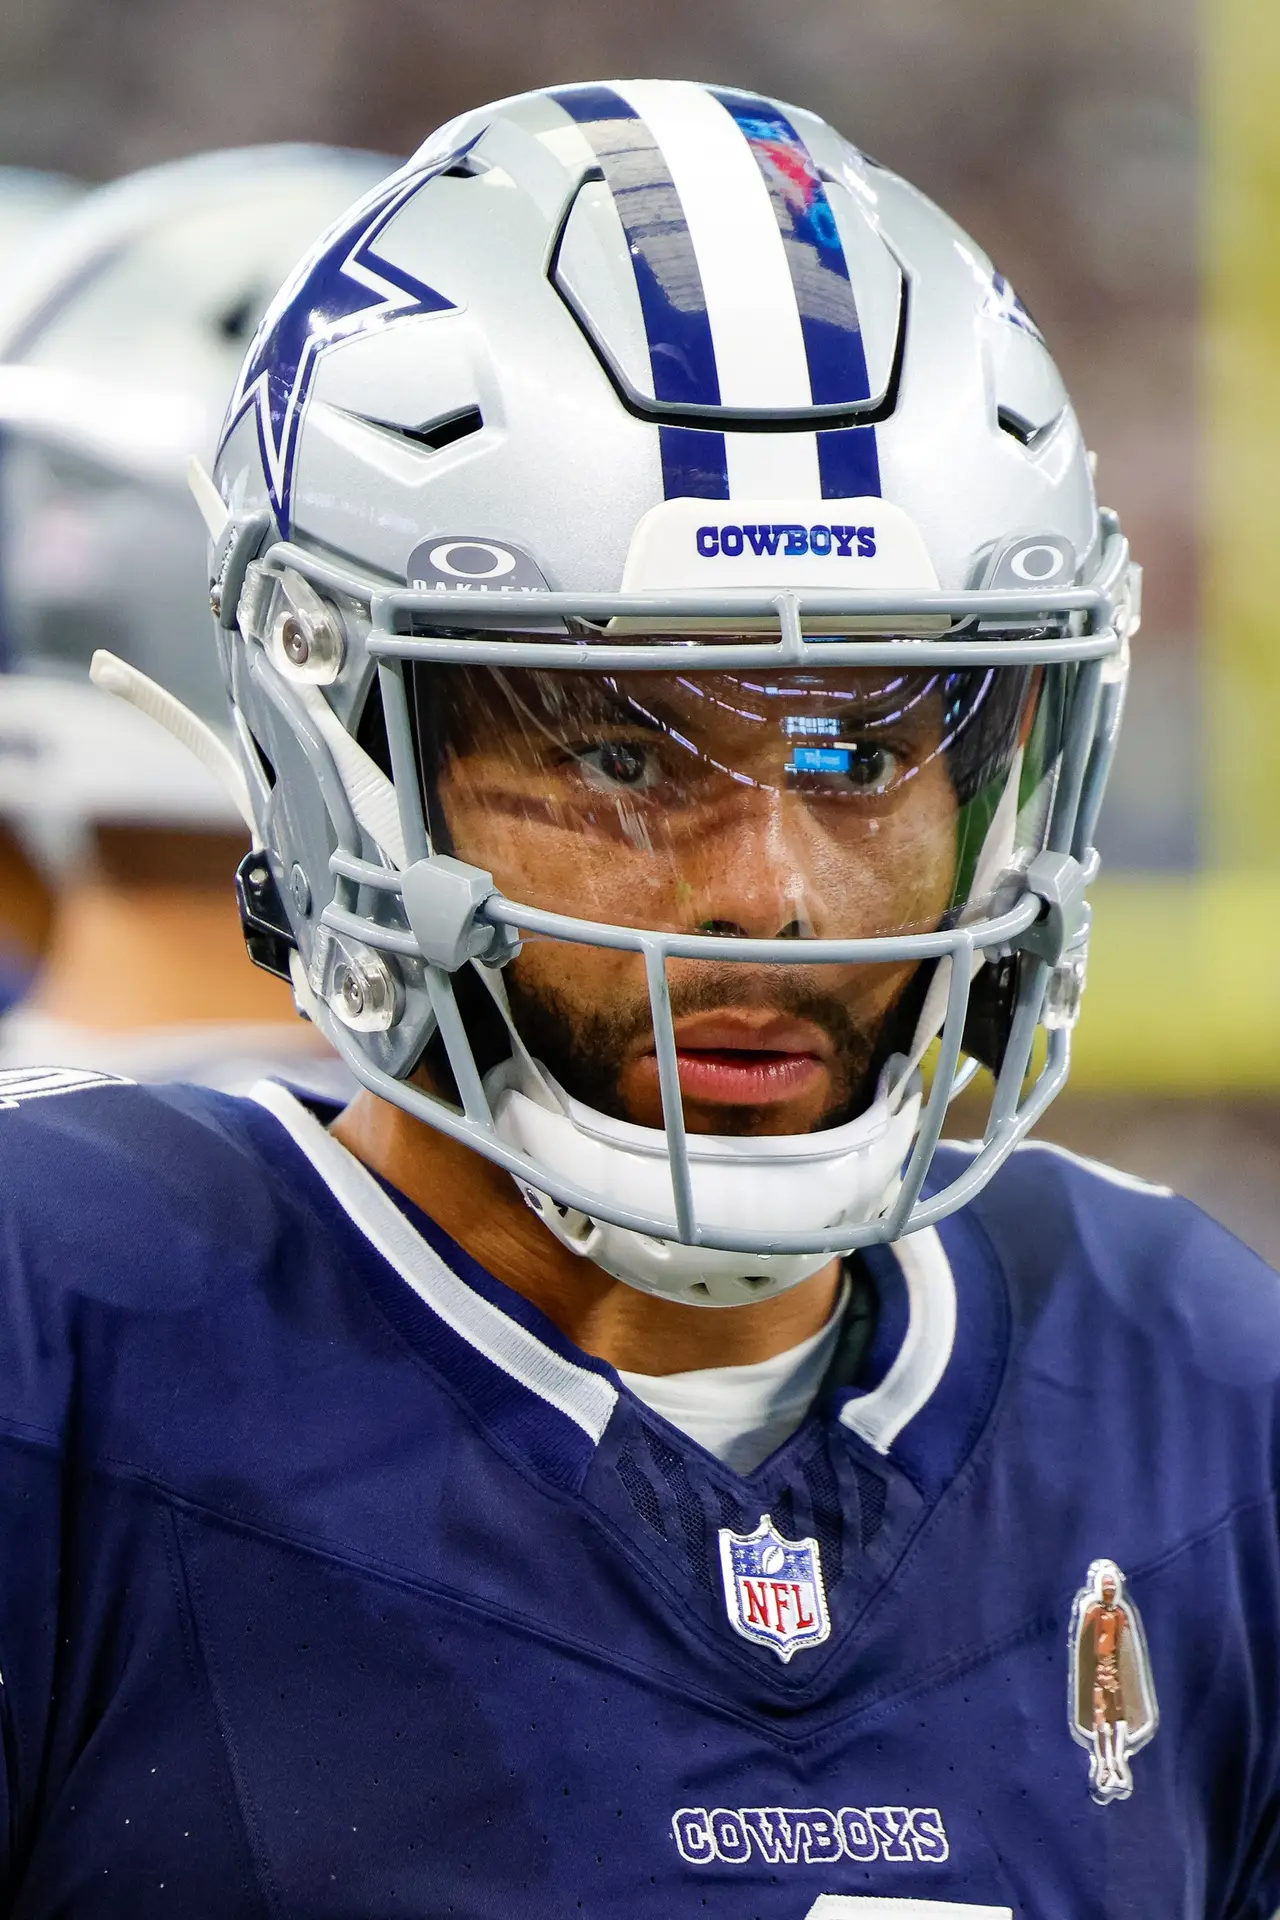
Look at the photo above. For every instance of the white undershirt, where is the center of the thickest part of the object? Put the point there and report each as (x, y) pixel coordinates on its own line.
(743, 1414)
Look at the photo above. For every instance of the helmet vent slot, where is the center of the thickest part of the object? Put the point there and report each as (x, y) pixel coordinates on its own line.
(1020, 429)
(263, 758)
(441, 433)
(1015, 426)
(469, 166)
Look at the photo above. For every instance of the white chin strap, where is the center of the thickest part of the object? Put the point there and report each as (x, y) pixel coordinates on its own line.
(786, 1183)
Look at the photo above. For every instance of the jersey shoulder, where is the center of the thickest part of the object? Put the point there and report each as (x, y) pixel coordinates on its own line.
(1073, 1233)
(143, 1228)
(114, 1178)
(123, 1205)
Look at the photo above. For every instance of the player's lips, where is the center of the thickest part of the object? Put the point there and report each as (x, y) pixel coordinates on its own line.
(746, 1059)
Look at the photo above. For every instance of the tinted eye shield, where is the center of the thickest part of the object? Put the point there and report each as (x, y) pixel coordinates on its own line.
(438, 914)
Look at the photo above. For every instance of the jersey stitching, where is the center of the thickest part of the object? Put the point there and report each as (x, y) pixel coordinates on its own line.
(197, 1665)
(761, 1724)
(677, 1687)
(25, 1433)
(674, 1686)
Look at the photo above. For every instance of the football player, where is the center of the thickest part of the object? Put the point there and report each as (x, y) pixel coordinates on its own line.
(119, 342)
(623, 1465)
(29, 200)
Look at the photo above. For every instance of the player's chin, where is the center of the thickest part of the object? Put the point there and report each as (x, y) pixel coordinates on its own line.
(725, 1093)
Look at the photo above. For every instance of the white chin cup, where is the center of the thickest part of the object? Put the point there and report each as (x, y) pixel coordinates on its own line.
(776, 1183)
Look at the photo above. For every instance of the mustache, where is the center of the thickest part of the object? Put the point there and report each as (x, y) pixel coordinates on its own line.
(587, 1051)
(717, 987)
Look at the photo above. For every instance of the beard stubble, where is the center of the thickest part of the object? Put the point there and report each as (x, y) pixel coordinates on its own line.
(586, 1050)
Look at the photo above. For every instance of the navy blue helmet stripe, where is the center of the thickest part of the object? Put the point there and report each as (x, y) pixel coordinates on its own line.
(694, 464)
(672, 299)
(58, 299)
(666, 266)
(828, 311)
(848, 463)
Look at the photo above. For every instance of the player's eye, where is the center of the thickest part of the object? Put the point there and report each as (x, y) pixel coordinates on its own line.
(867, 766)
(630, 765)
(873, 767)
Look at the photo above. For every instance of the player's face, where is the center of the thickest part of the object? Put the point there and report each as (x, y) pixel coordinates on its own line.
(1108, 1592)
(811, 806)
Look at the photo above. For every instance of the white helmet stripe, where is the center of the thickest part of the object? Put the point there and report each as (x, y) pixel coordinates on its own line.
(751, 299)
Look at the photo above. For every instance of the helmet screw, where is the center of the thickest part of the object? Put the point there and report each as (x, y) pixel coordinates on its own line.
(352, 993)
(306, 633)
(215, 602)
(294, 640)
(300, 888)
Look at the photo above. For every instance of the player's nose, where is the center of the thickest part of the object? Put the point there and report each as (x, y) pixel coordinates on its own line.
(752, 879)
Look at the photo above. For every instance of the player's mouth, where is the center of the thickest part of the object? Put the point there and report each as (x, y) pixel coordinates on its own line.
(745, 1059)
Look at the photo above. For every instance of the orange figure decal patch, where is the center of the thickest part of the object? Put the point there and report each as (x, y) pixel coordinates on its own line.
(1112, 1699)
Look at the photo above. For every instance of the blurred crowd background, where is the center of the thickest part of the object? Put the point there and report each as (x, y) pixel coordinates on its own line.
(1066, 138)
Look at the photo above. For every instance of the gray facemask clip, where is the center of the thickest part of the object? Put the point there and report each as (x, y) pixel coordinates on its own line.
(444, 900)
(1060, 882)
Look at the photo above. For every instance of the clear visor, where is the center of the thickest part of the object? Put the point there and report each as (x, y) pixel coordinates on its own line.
(844, 804)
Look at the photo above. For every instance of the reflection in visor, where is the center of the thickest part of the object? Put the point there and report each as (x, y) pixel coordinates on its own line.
(839, 804)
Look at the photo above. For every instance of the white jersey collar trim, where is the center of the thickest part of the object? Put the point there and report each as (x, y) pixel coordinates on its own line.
(922, 1359)
(579, 1393)
(582, 1395)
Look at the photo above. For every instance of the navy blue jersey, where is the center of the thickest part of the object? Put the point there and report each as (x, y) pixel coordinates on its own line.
(335, 1581)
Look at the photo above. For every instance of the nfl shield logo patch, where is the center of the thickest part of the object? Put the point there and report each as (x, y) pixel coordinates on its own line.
(773, 1589)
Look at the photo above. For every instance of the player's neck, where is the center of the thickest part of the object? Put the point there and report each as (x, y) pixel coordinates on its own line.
(122, 958)
(478, 1205)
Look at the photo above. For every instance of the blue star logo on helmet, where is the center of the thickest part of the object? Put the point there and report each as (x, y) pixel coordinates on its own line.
(344, 287)
(1004, 304)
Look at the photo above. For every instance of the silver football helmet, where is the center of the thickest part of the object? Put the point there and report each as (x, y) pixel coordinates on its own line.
(120, 334)
(676, 658)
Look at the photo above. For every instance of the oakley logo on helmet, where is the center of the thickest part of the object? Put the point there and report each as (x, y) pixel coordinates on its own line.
(847, 543)
(454, 562)
(1033, 560)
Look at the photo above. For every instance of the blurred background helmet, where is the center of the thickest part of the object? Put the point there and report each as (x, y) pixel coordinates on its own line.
(628, 360)
(120, 335)
(29, 199)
